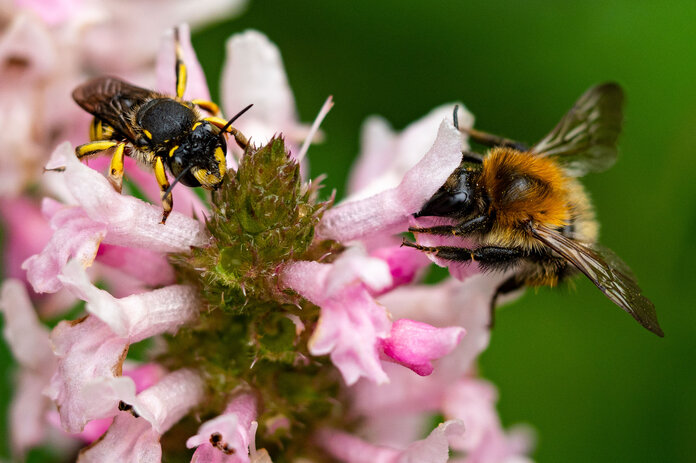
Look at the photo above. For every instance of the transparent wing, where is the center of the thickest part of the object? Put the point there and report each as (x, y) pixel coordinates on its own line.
(585, 139)
(110, 99)
(607, 271)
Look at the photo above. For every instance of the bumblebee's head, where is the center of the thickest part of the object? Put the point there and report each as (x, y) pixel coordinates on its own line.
(200, 157)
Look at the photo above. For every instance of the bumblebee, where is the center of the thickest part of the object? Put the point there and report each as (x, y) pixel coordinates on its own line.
(527, 212)
(157, 130)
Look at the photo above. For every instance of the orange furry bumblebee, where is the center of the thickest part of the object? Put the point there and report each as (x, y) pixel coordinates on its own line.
(526, 210)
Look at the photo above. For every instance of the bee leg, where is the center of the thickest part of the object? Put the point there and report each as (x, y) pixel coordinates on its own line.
(464, 228)
(508, 286)
(488, 257)
(100, 130)
(208, 106)
(452, 253)
(166, 197)
(181, 70)
(93, 148)
(116, 167)
(238, 136)
(487, 139)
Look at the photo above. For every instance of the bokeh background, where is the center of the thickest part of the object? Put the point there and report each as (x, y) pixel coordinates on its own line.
(593, 384)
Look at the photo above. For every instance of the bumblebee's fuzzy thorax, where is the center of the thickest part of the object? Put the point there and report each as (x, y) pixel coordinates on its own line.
(523, 187)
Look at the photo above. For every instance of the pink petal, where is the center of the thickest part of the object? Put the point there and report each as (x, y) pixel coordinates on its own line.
(186, 200)
(51, 11)
(27, 51)
(196, 87)
(76, 237)
(144, 376)
(404, 264)
(125, 35)
(89, 355)
(130, 222)
(354, 266)
(254, 73)
(28, 340)
(160, 407)
(27, 423)
(350, 323)
(148, 267)
(92, 431)
(415, 344)
(129, 439)
(389, 211)
(26, 233)
(170, 399)
(138, 316)
(473, 402)
(234, 430)
(90, 351)
(25, 335)
(386, 157)
(433, 449)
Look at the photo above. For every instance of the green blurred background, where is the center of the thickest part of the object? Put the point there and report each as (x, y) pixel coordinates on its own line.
(594, 384)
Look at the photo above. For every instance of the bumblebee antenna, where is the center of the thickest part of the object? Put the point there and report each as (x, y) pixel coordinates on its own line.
(234, 118)
(168, 191)
(455, 117)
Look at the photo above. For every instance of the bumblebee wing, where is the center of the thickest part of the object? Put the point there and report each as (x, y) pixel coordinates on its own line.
(111, 99)
(607, 271)
(585, 138)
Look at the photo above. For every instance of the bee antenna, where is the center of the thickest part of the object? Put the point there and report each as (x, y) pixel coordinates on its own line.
(168, 191)
(455, 117)
(234, 118)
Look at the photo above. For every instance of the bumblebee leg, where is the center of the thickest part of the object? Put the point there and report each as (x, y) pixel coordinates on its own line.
(166, 198)
(488, 257)
(511, 284)
(464, 228)
(93, 148)
(208, 106)
(452, 253)
(181, 70)
(116, 167)
(238, 136)
(491, 140)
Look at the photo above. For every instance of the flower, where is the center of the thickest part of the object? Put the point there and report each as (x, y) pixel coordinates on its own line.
(270, 318)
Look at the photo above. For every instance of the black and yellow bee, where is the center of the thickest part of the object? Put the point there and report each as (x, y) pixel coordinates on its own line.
(157, 130)
(529, 214)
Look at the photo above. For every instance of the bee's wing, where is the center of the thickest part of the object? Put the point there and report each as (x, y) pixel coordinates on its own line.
(110, 99)
(607, 271)
(585, 139)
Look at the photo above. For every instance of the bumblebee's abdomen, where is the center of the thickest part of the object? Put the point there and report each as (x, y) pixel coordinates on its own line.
(525, 187)
(165, 119)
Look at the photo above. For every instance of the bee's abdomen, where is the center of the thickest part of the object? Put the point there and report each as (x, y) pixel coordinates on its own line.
(165, 119)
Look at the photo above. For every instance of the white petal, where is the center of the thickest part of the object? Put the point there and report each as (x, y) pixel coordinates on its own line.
(254, 73)
(23, 331)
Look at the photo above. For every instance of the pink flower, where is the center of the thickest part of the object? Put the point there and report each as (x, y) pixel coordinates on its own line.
(132, 438)
(227, 438)
(388, 212)
(254, 73)
(101, 215)
(415, 344)
(88, 384)
(354, 329)
(386, 157)
(351, 321)
(473, 402)
(29, 342)
(433, 449)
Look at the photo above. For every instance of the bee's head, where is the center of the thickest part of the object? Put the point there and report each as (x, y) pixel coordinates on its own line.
(200, 157)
